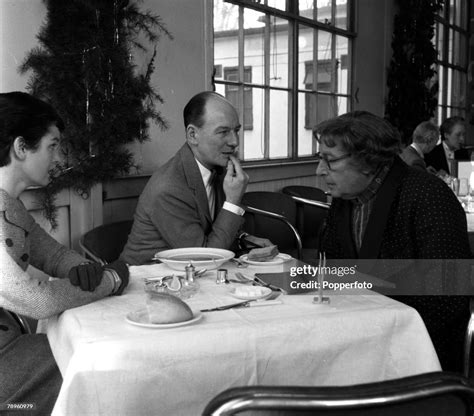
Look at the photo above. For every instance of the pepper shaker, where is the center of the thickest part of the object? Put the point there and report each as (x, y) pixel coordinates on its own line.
(190, 269)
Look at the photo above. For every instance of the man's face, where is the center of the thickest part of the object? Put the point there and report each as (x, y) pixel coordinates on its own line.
(218, 137)
(455, 139)
(40, 161)
(344, 179)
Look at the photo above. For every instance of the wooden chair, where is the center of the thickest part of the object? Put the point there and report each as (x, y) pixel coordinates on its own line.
(105, 243)
(435, 394)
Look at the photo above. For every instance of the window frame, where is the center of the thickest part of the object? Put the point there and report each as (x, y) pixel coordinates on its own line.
(293, 89)
(445, 64)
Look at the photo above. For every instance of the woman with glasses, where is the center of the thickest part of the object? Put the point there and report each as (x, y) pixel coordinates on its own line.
(384, 210)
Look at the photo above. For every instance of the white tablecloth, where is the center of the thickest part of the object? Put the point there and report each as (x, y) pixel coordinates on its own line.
(113, 368)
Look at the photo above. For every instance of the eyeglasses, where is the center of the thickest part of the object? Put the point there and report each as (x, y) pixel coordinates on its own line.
(328, 162)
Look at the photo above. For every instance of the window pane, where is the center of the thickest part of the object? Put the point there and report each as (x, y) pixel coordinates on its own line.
(440, 37)
(458, 89)
(342, 64)
(226, 51)
(277, 4)
(305, 132)
(306, 8)
(451, 7)
(451, 45)
(305, 57)
(449, 86)
(324, 11)
(342, 11)
(325, 54)
(342, 105)
(254, 41)
(225, 16)
(278, 124)
(254, 139)
(461, 50)
(279, 52)
(441, 85)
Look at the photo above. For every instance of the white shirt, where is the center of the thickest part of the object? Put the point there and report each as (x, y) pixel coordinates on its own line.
(447, 151)
(206, 175)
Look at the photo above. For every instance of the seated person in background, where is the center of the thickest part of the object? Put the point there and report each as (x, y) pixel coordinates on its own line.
(382, 209)
(453, 136)
(29, 143)
(193, 200)
(425, 137)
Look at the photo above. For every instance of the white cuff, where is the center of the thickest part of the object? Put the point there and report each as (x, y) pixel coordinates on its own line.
(229, 206)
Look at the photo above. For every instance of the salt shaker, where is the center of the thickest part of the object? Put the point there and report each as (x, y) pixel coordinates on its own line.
(221, 276)
(190, 269)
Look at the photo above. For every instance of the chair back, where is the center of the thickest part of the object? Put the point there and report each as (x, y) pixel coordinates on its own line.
(308, 192)
(309, 217)
(105, 243)
(280, 228)
(434, 394)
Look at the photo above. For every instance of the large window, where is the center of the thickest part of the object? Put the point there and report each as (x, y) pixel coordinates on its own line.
(452, 44)
(267, 54)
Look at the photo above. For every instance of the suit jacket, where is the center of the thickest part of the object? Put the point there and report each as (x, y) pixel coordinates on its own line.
(412, 158)
(173, 212)
(437, 158)
(414, 216)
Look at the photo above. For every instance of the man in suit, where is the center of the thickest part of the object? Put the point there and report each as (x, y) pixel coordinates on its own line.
(453, 136)
(383, 210)
(425, 137)
(194, 199)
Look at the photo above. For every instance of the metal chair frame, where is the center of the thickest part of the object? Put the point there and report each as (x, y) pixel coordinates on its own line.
(258, 211)
(357, 397)
(21, 321)
(468, 341)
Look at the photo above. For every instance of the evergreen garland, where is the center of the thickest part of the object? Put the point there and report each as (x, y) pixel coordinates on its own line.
(84, 68)
(413, 93)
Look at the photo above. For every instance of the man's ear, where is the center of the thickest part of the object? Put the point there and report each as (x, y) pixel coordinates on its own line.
(19, 148)
(191, 134)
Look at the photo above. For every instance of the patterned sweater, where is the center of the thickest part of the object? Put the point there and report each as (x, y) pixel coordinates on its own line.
(415, 216)
(22, 243)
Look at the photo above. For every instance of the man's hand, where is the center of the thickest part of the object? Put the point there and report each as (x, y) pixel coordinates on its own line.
(87, 276)
(256, 241)
(235, 181)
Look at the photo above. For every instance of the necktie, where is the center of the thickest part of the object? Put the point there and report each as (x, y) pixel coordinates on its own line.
(212, 194)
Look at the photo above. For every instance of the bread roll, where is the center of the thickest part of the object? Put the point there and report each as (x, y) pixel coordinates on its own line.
(167, 309)
(263, 254)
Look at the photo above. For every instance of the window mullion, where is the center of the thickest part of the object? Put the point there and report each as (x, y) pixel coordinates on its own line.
(241, 54)
(266, 53)
(293, 90)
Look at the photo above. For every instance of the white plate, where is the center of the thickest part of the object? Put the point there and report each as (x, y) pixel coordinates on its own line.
(140, 318)
(250, 292)
(200, 257)
(278, 259)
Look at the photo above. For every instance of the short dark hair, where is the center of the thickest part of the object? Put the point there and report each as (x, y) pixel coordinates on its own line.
(422, 132)
(23, 115)
(194, 110)
(448, 125)
(371, 139)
